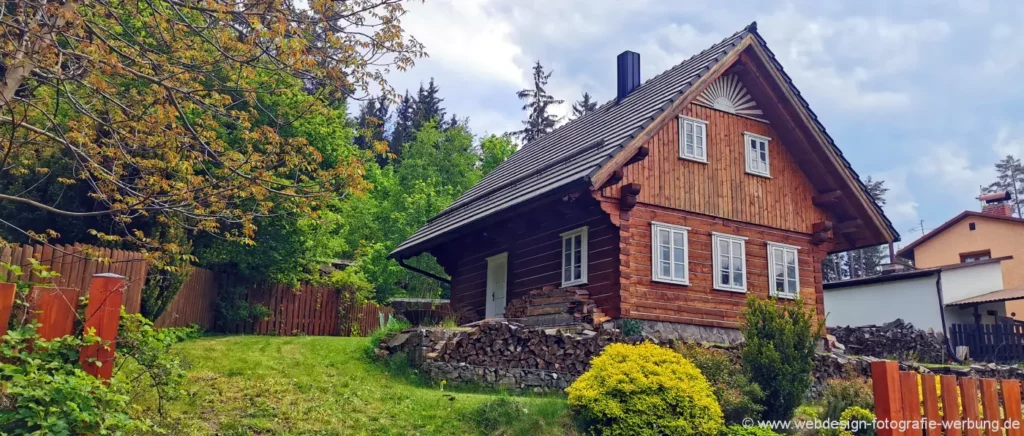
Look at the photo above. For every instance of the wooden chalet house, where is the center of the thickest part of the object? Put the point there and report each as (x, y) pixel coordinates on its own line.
(670, 204)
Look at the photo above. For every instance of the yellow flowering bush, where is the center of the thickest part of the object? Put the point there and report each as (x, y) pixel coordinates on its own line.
(644, 390)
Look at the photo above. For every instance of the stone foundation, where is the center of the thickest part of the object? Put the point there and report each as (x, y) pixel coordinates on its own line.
(690, 332)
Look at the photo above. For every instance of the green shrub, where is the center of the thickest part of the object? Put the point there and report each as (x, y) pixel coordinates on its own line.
(858, 422)
(739, 430)
(779, 352)
(497, 414)
(632, 327)
(841, 394)
(736, 394)
(644, 390)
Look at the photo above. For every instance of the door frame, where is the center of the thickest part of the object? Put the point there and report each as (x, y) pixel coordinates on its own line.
(489, 309)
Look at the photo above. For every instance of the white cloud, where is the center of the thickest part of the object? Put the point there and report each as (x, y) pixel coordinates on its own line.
(900, 206)
(950, 167)
(1009, 141)
(840, 61)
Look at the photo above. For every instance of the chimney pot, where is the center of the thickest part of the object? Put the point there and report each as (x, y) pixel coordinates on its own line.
(628, 73)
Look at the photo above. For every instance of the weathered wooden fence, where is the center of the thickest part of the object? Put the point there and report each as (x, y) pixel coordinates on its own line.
(308, 310)
(362, 319)
(990, 342)
(908, 403)
(195, 303)
(77, 264)
(55, 308)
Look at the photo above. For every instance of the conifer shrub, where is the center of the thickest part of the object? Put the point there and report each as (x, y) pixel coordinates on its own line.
(644, 390)
(778, 352)
(738, 397)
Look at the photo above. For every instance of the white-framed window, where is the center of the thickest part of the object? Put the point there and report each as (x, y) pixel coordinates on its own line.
(783, 271)
(670, 254)
(693, 139)
(574, 257)
(730, 262)
(757, 153)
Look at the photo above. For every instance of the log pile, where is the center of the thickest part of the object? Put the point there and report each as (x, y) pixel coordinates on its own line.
(552, 301)
(507, 345)
(894, 340)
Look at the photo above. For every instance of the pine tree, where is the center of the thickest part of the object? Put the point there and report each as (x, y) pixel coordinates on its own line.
(539, 122)
(581, 107)
(1010, 178)
(403, 130)
(428, 106)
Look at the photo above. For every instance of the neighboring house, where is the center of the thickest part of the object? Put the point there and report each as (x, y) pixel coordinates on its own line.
(973, 236)
(671, 204)
(930, 298)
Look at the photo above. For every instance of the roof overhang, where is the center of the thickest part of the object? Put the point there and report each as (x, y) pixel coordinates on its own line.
(1008, 294)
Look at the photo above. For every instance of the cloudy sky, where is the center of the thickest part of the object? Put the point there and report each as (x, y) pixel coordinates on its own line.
(925, 95)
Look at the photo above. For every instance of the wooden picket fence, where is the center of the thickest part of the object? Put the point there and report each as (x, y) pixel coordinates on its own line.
(77, 264)
(362, 319)
(195, 303)
(1002, 343)
(307, 310)
(912, 402)
(55, 308)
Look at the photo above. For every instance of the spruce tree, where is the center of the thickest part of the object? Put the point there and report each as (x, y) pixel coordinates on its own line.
(373, 117)
(1010, 178)
(402, 132)
(584, 105)
(428, 106)
(539, 122)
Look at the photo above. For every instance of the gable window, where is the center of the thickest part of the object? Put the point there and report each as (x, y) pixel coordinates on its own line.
(757, 153)
(574, 257)
(730, 262)
(783, 271)
(670, 253)
(975, 256)
(693, 139)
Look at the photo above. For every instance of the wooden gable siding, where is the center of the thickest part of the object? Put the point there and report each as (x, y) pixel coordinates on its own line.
(533, 242)
(699, 303)
(722, 187)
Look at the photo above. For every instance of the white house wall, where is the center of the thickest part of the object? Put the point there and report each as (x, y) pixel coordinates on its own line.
(971, 281)
(914, 300)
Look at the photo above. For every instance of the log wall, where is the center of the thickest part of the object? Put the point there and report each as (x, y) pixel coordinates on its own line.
(533, 242)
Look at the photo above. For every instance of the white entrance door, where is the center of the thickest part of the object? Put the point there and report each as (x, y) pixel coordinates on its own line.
(497, 285)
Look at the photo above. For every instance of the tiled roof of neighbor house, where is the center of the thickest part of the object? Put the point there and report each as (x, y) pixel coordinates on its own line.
(575, 151)
(946, 225)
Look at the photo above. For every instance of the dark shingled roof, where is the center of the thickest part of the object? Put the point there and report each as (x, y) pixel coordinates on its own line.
(575, 151)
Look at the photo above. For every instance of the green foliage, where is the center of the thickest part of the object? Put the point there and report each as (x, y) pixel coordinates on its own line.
(842, 393)
(737, 395)
(394, 326)
(632, 327)
(778, 352)
(645, 390)
(857, 422)
(47, 392)
(233, 307)
(495, 149)
(495, 415)
(740, 430)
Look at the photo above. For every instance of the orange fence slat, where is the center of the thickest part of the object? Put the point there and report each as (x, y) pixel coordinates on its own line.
(969, 395)
(7, 292)
(930, 402)
(54, 308)
(990, 404)
(1011, 406)
(911, 400)
(950, 404)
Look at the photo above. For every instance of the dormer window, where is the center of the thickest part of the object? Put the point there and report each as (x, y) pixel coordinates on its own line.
(757, 153)
(693, 139)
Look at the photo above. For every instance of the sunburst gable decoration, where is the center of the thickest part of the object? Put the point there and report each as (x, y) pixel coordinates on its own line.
(728, 94)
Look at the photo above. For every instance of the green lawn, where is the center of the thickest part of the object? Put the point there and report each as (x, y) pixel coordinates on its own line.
(325, 385)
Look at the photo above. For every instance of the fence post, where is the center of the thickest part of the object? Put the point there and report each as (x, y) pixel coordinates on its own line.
(55, 309)
(103, 316)
(885, 382)
(7, 291)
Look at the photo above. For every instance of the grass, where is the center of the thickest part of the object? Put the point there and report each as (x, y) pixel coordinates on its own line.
(239, 385)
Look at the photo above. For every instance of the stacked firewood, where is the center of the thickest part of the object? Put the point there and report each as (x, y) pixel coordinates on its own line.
(554, 301)
(510, 345)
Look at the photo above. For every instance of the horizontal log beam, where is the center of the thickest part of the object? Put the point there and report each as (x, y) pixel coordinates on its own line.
(849, 226)
(615, 178)
(641, 154)
(826, 199)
